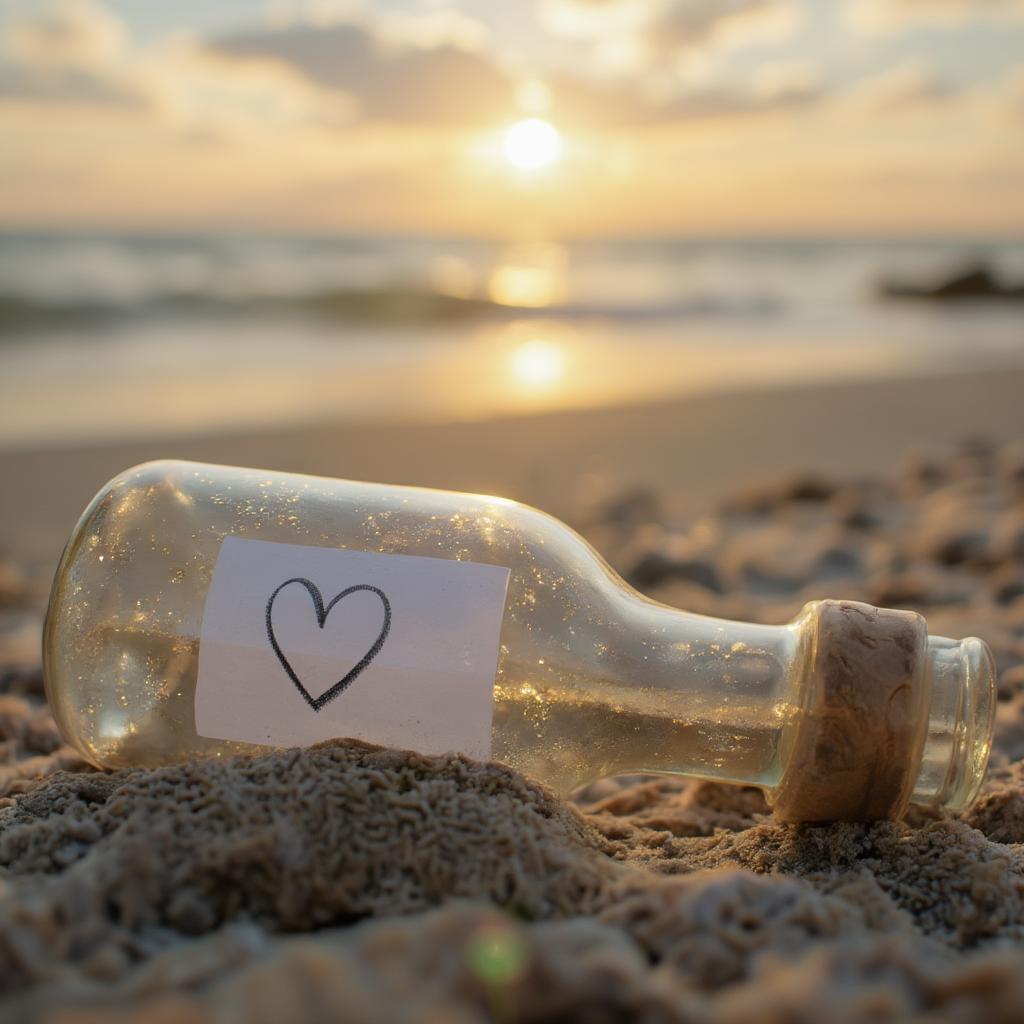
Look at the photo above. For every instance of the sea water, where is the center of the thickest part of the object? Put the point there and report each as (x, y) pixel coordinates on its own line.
(102, 336)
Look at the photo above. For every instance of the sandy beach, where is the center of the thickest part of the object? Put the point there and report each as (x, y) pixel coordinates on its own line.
(207, 890)
(689, 452)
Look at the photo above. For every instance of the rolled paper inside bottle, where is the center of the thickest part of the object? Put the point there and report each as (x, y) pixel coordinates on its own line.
(856, 748)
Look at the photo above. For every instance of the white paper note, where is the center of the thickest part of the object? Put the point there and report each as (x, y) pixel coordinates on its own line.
(301, 644)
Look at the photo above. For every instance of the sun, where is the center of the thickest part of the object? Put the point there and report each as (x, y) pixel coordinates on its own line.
(531, 144)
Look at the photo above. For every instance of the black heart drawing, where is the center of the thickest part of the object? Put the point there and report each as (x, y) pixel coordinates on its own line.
(322, 611)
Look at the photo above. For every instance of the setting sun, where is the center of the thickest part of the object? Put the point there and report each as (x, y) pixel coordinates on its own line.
(531, 144)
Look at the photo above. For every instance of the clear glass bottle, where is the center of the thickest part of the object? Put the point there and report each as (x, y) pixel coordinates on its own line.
(592, 678)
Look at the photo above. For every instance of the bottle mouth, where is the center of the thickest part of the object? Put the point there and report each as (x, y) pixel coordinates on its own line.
(961, 716)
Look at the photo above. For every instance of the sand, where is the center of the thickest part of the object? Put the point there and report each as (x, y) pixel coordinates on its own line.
(348, 882)
(690, 452)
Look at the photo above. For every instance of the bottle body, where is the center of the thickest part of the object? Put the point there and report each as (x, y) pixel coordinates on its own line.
(592, 678)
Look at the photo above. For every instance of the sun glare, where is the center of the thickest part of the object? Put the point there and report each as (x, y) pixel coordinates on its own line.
(531, 144)
(538, 363)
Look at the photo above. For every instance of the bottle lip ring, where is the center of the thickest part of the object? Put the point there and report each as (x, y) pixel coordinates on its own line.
(974, 728)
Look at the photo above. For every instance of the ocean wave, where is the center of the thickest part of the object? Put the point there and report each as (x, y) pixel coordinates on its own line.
(21, 314)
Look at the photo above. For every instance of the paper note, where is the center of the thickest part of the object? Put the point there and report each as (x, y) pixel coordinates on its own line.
(301, 644)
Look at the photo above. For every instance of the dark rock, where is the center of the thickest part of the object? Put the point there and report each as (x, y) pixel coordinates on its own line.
(974, 282)
(919, 587)
(808, 488)
(921, 475)
(1011, 468)
(633, 507)
(1007, 584)
(21, 681)
(1011, 681)
(656, 568)
(975, 457)
(837, 563)
(957, 547)
(758, 581)
(1008, 537)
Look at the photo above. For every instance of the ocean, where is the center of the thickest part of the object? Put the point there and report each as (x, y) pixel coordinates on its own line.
(103, 336)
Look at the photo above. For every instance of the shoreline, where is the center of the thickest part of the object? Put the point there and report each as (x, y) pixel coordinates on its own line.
(691, 451)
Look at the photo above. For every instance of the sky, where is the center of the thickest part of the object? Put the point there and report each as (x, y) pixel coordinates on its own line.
(704, 118)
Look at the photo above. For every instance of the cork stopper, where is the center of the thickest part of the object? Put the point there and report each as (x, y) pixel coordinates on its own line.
(856, 749)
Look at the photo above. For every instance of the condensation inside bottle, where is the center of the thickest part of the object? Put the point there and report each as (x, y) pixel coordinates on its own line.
(592, 678)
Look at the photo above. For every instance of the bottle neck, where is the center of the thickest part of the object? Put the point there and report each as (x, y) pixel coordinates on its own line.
(847, 713)
(750, 704)
(715, 696)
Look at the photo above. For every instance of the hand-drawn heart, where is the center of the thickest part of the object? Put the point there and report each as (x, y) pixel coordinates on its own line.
(316, 703)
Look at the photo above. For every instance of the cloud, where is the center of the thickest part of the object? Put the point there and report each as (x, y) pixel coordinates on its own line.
(77, 53)
(617, 104)
(208, 97)
(719, 103)
(648, 34)
(72, 34)
(881, 16)
(71, 87)
(592, 19)
(907, 86)
(689, 24)
(389, 82)
(72, 52)
(329, 74)
(792, 81)
(1013, 92)
(915, 87)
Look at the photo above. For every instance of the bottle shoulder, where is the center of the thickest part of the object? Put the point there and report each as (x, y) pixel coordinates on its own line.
(167, 489)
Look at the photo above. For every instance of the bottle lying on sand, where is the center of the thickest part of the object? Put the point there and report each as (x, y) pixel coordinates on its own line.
(208, 611)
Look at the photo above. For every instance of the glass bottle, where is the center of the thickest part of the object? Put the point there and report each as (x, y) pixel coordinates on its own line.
(592, 678)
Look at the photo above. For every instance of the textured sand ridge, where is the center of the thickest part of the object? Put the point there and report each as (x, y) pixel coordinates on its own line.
(348, 882)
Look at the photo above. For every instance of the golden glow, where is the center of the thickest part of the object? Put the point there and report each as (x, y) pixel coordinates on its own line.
(529, 275)
(538, 363)
(533, 97)
(532, 144)
(532, 287)
(381, 157)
